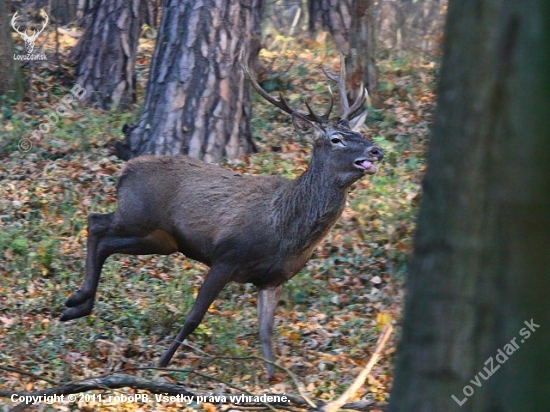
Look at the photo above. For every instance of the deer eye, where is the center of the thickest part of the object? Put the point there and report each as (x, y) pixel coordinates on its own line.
(336, 140)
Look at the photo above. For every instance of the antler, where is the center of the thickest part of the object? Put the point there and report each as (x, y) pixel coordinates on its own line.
(282, 103)
(47, 19)
(13, 19)
(340, 80)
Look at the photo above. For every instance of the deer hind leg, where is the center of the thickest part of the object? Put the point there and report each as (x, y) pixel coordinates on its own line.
(104, 239)
(218, 276)
(268, 299)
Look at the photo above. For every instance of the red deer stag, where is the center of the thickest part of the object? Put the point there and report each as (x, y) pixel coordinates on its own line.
(247, 229)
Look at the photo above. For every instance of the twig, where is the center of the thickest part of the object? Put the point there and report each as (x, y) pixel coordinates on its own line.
(32, 375)
(193, 347)
(360, 380)
(290, 374)
(57, 59)
(267, 405)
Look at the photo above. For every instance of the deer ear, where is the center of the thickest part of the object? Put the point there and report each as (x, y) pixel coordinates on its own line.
(305, 127)
(357, 122)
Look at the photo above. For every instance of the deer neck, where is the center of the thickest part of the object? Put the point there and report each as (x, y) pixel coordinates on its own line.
(311, 207)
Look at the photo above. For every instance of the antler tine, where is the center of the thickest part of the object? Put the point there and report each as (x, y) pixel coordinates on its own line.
(361, 99)
(313, 116)
(329, 110)
(282, 103)
(47, 19)
(340, 80)
(342, 87)
(13, 20)
(340, 83)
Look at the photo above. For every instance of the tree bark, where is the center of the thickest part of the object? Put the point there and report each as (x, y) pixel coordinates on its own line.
(481, 260)
(352, 25)
(106, 53)
(11, 80)
(361, 63)
(198, 102)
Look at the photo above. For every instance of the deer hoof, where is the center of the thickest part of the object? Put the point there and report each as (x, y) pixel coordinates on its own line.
(78, 311)
(77, 298)
(163, 362)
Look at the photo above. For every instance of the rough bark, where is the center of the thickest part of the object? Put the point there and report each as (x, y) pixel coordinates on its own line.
(197, 101)
(11, 80)
(106, 53)
(352, 25)
(481, 260)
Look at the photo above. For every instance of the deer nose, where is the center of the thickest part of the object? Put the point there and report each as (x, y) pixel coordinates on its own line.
(376, 152)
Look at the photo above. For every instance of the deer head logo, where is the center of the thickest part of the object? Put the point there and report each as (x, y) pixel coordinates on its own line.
(29, 39)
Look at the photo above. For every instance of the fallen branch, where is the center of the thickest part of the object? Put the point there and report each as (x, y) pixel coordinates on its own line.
(115, 381)
(360, 380)
(119, 380)
(286, 370)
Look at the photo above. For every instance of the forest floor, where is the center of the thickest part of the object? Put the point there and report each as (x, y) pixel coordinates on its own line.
(330, 315)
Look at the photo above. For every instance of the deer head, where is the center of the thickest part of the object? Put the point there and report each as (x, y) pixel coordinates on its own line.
(337, 141)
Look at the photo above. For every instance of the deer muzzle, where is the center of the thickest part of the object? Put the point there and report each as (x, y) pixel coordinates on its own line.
(368, 163)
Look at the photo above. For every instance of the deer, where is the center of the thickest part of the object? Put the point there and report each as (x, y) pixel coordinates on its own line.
(247, 228)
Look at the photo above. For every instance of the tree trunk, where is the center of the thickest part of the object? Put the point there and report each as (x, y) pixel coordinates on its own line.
(351, 23)
(106, 53)
(361, 64)
(64, 11)
(197, 101)
(11, 80)
(481, 265)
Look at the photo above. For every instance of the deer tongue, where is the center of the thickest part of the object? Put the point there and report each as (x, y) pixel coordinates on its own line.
(365, 164)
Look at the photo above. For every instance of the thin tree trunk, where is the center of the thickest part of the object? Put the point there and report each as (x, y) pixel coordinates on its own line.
(64, 11)
(197, 101)
(11, 78)
(361, 64)
(106, 53)
(351, 23)
(480, 277)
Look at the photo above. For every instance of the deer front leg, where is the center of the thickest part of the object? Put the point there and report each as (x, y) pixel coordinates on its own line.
(267, 304)
(216, 279)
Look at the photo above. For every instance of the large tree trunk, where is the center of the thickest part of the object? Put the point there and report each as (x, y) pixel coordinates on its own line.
(106, 53)
(481, 266)
(352, 25)
(11, 79)
(198, 102)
